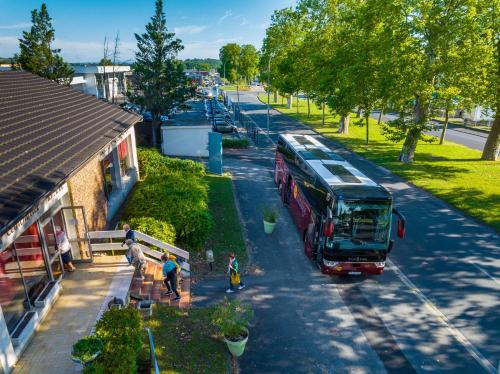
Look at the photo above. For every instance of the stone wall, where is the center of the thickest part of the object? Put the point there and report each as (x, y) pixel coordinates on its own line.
(87, 189)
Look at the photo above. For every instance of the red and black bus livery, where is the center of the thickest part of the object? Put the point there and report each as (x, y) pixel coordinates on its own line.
(344, 217)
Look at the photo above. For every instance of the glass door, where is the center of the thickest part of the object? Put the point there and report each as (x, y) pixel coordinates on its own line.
(49, 236)
(75, 226)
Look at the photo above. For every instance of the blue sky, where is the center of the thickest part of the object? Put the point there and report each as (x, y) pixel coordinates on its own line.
(80, 25)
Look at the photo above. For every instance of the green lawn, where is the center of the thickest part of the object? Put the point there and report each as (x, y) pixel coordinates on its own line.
(186, 342)
(450, 171)
(226, 235)
(232, 87)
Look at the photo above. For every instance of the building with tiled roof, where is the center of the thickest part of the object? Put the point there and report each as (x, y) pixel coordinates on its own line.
(67, 162)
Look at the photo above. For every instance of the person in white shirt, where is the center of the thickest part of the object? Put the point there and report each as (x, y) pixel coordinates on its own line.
(64, 247)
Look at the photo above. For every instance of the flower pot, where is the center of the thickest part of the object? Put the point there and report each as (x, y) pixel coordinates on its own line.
(237, 348)
(269, 227)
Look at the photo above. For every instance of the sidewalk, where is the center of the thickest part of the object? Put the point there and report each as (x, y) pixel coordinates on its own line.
(71, 317)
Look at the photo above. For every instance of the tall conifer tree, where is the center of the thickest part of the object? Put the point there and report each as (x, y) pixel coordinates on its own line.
(36, 54)
(160, 82)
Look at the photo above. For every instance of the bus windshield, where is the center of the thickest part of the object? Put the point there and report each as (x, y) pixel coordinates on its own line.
(362, 222)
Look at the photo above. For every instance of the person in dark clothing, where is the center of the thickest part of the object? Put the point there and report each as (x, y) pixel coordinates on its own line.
(129, 235)
(170, 276)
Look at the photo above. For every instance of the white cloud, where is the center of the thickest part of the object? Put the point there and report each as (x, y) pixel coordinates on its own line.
(227, 14)
(205, 49)
(19, 25)
(190, 29)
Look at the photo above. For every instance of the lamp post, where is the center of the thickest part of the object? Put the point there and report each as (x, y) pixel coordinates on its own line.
(268, 89)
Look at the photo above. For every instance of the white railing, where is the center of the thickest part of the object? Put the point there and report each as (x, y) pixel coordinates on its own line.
(120, 234)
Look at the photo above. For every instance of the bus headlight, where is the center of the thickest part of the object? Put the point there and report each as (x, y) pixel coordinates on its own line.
(380, 264)
(330, 263)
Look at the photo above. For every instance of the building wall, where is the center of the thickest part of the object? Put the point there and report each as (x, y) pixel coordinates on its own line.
(87, 188)
(188, 141)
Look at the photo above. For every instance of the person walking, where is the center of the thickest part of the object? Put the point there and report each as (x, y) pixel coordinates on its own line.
(137, 257)
(234, 274)
(169, 271)
(129, 235)
(64, 247)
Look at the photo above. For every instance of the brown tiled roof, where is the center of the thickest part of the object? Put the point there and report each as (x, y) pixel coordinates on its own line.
(47, 132)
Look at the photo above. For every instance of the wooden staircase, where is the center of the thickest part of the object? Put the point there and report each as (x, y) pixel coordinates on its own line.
(152, 287)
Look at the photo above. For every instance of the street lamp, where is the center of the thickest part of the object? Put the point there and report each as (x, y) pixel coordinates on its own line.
(268, 89)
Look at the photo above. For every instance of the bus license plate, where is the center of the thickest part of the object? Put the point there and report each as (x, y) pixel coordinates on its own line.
(354, 273)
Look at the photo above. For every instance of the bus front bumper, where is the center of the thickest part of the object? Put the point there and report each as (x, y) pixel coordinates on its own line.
(352, 268)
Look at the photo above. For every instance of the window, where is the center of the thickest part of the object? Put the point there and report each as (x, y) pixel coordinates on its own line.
(109, 174)
(125, 156)
(30, 254)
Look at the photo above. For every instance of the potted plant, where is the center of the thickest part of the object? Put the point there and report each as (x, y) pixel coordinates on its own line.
(86, 350)
(270, 218)
(232, 317)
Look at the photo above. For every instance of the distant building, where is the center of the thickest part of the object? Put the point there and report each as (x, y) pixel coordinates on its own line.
(98, 81)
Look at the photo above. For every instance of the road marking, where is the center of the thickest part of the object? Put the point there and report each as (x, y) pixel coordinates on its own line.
(455, 332)
(484, 272)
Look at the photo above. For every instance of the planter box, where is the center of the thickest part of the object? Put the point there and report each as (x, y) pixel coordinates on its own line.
(48, 294)
(24, 329)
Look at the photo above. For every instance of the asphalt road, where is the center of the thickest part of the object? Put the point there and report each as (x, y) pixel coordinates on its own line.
(457, 134)
(436, 307)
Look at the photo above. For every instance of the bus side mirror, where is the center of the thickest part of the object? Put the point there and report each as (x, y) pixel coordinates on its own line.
(401, 229)
(391, 246)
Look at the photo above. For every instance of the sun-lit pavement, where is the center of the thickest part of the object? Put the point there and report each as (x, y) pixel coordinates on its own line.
(439, 302)
(72, 317)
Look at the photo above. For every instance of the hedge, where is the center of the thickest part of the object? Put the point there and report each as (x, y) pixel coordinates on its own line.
(174, 193)
(121, 331)
(235, 143)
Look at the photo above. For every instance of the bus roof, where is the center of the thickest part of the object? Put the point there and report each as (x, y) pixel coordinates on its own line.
(342, 178)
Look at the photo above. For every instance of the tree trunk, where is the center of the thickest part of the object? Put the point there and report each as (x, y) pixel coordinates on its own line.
(367, 129)
(445, 126)
(492, 147)
(358, 113)
(275, 97)
(410, 145)
(323, 116)
(344, 123)
(154, 126)
(380, 116)
(289, 102)
(308, 108)
(297, 103)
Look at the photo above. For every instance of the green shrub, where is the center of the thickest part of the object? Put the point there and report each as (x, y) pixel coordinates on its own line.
(174, 192)
(232, 317)
(158, 229)
(152, 162)
(94, 368)
(85, 348)
(121, 331)
(235, 143)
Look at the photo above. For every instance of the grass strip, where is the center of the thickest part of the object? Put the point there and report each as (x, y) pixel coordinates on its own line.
(186, 342)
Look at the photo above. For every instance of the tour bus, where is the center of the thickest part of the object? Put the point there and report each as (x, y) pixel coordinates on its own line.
(343, 216)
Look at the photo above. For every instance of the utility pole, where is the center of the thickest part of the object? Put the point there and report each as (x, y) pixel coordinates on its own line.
(268, 90)
(225, 72)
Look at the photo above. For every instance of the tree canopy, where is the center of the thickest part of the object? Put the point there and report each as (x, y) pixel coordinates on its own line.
(238, 62)
(36, 55)
(411, 56)
(159, 80)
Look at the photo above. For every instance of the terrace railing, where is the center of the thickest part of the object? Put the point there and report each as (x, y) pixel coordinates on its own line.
(98, 245)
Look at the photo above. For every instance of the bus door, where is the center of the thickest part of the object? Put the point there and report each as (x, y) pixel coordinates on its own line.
(288, 189)
(311, 236)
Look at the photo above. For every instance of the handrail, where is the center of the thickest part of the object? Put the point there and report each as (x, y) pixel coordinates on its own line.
(154, 361)
(120, 234)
